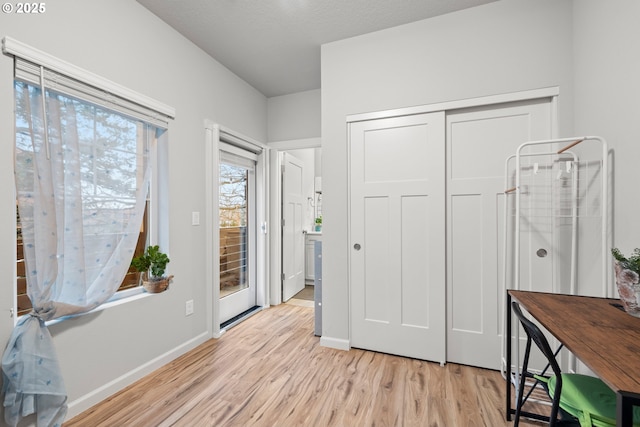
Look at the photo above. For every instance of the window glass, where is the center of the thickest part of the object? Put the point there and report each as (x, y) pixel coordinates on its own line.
(233, 206)
(111, 153)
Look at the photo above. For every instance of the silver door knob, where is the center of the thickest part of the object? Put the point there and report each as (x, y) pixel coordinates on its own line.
(357, 246)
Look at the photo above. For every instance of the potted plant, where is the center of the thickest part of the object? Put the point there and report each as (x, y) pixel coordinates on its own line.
(152, 264)
(628, 280)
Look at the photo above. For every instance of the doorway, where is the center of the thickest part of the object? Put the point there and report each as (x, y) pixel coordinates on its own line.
(236, 204)
(308, 152)
(301, 198)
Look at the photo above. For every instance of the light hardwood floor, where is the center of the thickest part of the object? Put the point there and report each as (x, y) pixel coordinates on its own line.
(271, 371)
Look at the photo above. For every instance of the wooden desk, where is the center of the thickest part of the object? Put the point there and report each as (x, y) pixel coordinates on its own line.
(601, 335)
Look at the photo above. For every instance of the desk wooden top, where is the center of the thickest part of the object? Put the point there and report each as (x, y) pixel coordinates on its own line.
(602, 336)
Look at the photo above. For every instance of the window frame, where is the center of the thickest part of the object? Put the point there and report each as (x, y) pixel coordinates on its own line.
(71, 80)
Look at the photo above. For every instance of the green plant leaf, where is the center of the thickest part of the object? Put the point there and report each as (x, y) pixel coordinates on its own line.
(631, 263)
(152, 261)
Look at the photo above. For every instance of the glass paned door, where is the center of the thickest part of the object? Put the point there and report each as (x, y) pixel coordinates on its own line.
(236, 206)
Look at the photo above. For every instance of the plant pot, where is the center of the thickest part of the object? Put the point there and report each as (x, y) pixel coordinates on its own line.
(628, 283)
(156, 286)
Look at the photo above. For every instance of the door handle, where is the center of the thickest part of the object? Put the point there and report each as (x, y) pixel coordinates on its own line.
(357, 246)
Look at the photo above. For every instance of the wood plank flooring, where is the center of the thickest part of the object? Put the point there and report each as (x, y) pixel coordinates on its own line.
(271, 371)
(306, 293)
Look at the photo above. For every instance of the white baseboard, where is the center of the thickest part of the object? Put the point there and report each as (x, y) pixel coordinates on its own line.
(96, 396)
(336, 343)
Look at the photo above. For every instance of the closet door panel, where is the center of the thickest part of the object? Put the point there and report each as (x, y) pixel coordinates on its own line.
(397, 235)
(479, 140)
(466, 244)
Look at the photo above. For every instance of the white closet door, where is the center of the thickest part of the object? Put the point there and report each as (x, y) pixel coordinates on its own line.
(397, 235)
(479, 141)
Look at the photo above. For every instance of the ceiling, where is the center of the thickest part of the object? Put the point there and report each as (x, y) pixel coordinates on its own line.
(274, 45)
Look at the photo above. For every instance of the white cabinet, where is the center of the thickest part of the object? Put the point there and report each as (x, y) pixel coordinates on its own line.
(310, 239)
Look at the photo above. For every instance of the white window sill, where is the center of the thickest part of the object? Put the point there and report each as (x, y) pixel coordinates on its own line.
(118, 298)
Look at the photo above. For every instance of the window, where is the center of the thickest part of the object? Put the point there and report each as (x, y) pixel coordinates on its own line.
(110, 149)
(113, 141)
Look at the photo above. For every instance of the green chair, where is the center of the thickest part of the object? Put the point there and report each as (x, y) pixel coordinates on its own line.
(579, 399)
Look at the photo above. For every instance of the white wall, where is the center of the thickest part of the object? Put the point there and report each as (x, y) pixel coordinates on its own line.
(294, 120)
(501, 47)
(294, 116)
(607, 99)
(122, 41)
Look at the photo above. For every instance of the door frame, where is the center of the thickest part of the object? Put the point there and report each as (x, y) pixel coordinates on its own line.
(526, 95)
(275, 210)
(214, 134)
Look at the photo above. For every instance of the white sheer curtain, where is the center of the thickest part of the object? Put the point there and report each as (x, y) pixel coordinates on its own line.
(82, 177)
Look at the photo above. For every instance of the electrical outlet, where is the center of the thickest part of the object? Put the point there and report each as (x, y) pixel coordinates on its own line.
(188, 308)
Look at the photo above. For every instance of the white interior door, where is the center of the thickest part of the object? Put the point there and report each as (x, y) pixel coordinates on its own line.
(292, 218)
(397, 235)
(479, 140)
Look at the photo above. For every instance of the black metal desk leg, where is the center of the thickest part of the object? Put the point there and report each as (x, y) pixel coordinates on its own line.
(507, 338)
(624, 411)
(624, 408)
